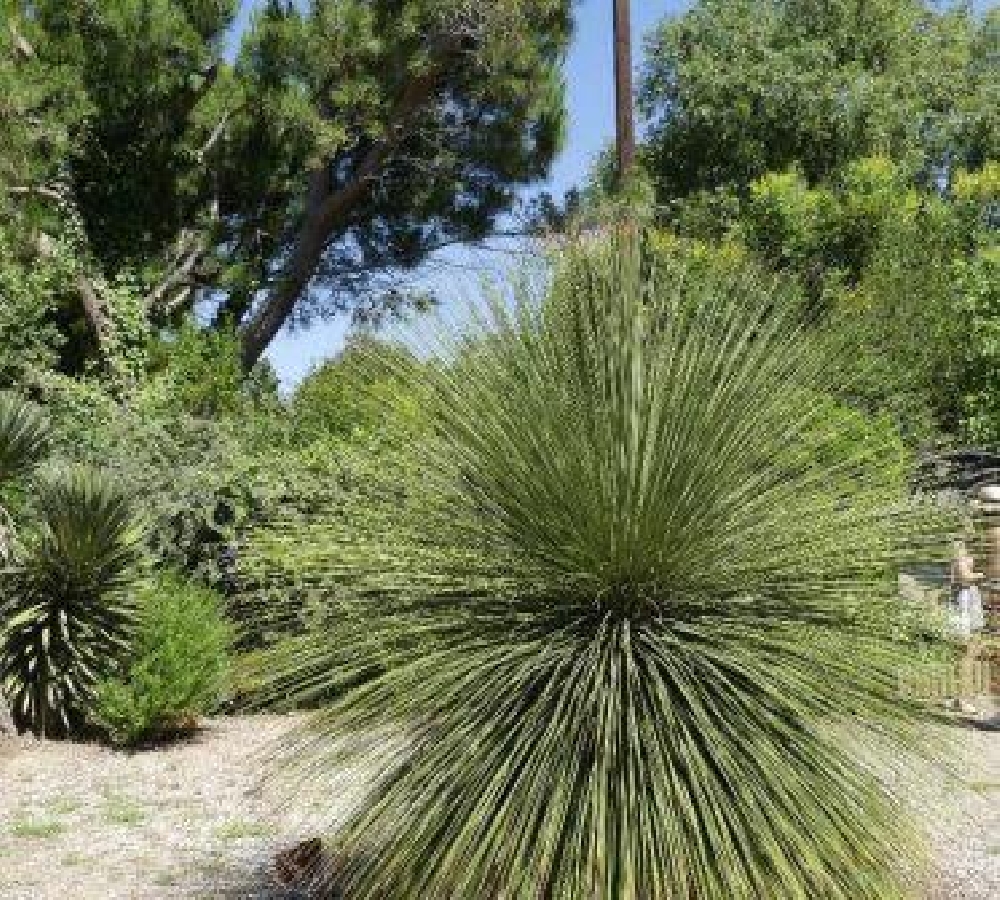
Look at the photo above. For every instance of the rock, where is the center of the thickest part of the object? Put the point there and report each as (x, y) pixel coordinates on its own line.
(301, 864)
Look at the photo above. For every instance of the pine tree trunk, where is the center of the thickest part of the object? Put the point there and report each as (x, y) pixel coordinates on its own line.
(327, 208)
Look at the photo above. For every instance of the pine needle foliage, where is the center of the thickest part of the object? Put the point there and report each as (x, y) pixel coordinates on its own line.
(643, 620)
(68, 617)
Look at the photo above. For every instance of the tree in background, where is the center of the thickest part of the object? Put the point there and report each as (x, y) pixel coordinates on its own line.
(42, 105)
(855, 147)
(451, 106)
(346, 142)
(734, 89)
(370, 387)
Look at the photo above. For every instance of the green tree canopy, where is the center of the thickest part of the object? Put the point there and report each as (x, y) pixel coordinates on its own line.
(345, 142)
(738, 88)
(855, 147)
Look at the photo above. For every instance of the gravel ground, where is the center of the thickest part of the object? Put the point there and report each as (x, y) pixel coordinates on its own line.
(961, 812)
(189, 820)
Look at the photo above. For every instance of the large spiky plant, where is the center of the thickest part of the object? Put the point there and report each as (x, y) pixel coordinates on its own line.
(630, 650)
(69, 615)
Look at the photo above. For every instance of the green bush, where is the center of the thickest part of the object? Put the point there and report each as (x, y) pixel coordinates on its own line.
(180, 667)
(199, 372)
(193, 476)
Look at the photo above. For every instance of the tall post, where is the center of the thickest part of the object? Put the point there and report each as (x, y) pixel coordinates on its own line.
(624, 118)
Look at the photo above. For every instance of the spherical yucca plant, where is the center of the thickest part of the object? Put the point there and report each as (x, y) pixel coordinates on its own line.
(629, 648)
(68, 614)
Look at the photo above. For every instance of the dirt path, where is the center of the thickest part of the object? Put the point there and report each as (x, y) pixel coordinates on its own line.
(962, 815)
(80, 822)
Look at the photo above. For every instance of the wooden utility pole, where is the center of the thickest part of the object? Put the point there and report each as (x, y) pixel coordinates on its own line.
(624, 117)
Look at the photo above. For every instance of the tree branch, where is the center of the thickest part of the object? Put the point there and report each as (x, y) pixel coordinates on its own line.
(325, 208)
(21, 43)
(214, 137)
(94, 310)
(178, 277)
(35, 191)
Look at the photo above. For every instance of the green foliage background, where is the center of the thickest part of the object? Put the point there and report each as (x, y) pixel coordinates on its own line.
(856, 148)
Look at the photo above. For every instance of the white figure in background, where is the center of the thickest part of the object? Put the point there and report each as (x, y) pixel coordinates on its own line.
(967, 601)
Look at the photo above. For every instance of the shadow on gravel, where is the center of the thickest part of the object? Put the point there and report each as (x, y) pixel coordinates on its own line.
(258, 885)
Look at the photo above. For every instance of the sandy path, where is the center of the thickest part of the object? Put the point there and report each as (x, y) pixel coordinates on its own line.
(962, 814)
(80, 821)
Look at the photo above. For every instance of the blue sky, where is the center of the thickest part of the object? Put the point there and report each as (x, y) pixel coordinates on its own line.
(590, 81)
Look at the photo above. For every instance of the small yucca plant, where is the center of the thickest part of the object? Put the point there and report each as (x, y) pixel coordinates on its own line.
(627, 654)
(69, 616)
(24, 438)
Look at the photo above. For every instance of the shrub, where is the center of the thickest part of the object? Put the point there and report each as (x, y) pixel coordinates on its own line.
(193, 476)
(620, 653)
(179, 668)
(69, 616)
(199, 372)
